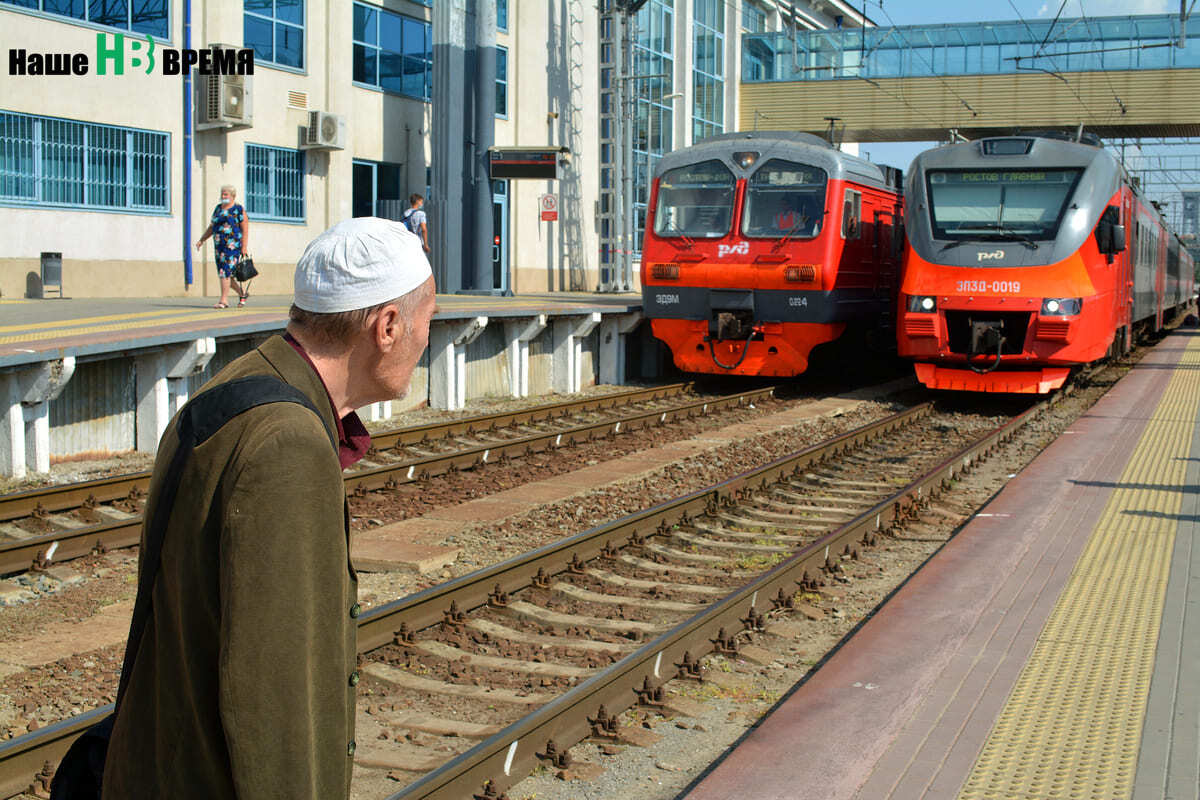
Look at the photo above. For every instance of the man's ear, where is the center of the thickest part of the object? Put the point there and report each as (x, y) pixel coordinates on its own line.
(388, 328)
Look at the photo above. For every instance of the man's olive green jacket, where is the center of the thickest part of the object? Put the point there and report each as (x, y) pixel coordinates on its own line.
(243, 685)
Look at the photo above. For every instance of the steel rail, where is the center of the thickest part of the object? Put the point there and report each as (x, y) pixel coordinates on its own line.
(105, 490)
(381, 625)
(73, 543)
(388, 475)
(506, 757)
(22, 757)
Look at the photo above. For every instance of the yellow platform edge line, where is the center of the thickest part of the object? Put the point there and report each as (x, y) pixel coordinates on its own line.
(200, 314)
(73, 323)
(1072, 725)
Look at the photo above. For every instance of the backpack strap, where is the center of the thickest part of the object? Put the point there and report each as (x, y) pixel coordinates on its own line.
(202, 417)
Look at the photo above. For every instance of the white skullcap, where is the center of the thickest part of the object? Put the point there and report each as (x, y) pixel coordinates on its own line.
(359, 263)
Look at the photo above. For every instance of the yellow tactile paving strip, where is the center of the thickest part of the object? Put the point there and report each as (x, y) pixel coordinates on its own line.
(1072, 726)
(121, 322)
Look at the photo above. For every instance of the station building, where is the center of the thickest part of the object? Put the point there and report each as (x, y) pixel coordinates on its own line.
(116, 163)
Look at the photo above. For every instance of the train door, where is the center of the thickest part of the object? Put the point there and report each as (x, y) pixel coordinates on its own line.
(1125, 287)
(500, 280)
(854, 269)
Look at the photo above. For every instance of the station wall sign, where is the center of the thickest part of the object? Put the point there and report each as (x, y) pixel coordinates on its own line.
(549, 205)
(508, 163)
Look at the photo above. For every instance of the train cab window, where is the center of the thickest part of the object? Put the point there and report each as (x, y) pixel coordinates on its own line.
(784, 198)
(999, 203)
(852, 215)
(696, 200)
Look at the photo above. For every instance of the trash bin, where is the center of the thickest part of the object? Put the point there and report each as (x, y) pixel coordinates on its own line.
(52, 273)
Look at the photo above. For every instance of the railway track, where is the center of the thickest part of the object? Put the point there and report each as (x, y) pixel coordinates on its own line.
(63, 522)
(524, 659)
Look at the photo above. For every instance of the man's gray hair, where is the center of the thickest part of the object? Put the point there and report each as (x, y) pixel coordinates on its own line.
(339, 329)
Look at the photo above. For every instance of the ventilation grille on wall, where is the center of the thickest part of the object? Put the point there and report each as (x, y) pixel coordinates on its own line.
(297, 99)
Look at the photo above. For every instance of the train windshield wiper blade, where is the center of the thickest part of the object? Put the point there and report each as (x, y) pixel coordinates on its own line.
(1001, 234)
(686, 242)
(1009, 234)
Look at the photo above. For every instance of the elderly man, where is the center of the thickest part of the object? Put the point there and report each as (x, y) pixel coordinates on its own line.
(243, 682)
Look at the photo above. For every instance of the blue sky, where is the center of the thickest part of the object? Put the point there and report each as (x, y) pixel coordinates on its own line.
(925, 12)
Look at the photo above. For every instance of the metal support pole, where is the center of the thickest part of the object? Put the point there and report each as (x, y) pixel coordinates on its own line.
(620, 152)
(449, 132)
(629, 101)
(485, 135)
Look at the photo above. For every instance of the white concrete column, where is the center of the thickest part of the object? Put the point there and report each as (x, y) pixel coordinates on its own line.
(182, 362)
(519, 333)
(161, 381)
(448, 342)
(613, 330)
(12, 436)
(378, 412)
(25, 396)
(568, 350)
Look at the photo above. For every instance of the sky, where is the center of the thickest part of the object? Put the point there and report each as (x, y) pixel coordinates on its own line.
(929, 12)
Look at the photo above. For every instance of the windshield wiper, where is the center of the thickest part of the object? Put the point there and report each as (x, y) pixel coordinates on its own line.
(802, 222)
(1002, 234)
(686, 244)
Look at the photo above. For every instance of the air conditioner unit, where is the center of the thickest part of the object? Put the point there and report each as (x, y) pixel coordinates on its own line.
(225, 100)
(325, 131)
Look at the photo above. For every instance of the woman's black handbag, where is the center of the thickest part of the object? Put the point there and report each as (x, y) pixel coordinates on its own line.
(80, 774)
(245, 270)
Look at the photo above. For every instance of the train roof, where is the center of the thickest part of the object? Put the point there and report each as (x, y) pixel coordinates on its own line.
(1022, 150)
(792, 145)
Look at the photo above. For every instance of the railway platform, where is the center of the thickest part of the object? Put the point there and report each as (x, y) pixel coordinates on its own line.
(1047, 651)
(104, 375)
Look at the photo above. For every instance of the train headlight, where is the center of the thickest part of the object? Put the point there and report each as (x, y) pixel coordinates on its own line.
(1062, 306)
(923, 303)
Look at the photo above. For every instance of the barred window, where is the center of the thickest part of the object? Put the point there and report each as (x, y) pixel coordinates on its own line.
(48, 161)
(274, 183)
(275, 29)
(139, 16)
(393, 52)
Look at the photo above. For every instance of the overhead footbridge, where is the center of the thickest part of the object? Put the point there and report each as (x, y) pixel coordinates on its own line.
(1118, 76)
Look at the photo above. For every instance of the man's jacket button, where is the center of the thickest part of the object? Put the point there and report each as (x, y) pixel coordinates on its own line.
(355, 610)
(350, 748)
(354, 678)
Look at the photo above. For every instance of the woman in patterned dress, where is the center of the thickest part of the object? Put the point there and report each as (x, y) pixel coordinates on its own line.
(231, 228)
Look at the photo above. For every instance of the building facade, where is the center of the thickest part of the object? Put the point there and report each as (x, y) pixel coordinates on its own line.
(112, 159)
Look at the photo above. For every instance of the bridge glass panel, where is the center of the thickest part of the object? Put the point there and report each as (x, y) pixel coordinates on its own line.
(1066, 45)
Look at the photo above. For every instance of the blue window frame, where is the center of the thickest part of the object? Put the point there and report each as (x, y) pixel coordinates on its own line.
(708, 69)
(274, 183)
(502, 82)
(275, 29)
(393, 52)
(377, 190)
(502, 14)
(46, 161)
(139, 16)
(654, 121)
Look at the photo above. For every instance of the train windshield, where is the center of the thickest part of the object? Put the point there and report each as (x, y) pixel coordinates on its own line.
(1000, 204)
(784, 198)
(696, 200)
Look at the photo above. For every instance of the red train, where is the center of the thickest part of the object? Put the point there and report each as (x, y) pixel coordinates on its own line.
(1028, 256)
(760, 246)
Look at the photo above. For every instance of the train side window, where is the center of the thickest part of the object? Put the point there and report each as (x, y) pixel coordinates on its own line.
(852, 215)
